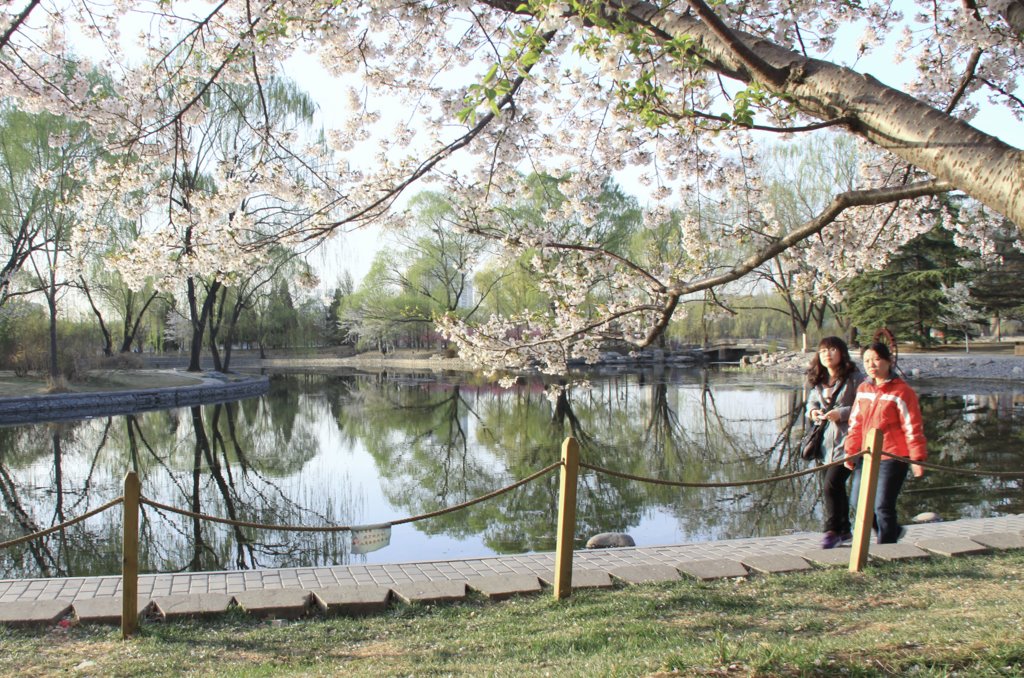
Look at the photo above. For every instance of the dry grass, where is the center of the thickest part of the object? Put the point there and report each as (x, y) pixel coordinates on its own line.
(936, 618)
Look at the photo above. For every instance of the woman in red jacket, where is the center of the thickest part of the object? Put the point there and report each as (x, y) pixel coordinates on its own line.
(885, 402)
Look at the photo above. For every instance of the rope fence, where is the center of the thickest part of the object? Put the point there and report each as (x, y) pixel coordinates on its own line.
(736, 483)
(1008, 475)
(132, 500)
(74, 521)
(349, 528)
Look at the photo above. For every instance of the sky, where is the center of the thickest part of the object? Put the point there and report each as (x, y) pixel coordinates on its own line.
(354, 251)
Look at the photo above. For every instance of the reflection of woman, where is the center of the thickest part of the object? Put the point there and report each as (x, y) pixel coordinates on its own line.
(833, 379)
(885, 402)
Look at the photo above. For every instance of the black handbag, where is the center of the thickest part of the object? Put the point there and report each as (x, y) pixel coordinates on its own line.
(810, 444)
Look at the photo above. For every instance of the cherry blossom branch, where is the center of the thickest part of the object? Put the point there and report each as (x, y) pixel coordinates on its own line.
(381, 204)
(664, 312)
(1002, 90)
(839, 204)
(824, 124)
(969, 71)
(17, 23)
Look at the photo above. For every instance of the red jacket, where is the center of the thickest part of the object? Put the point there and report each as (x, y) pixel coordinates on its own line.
(892, 408)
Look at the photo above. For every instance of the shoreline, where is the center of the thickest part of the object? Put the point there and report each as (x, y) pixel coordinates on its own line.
(998, 367)
(978, 366)
(435, 363)
(935, 372)
(207, 389)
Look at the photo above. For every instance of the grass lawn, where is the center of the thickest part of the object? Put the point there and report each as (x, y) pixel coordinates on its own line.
(939, 617)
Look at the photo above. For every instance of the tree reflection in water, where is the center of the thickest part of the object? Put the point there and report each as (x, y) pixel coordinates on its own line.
(352, 448)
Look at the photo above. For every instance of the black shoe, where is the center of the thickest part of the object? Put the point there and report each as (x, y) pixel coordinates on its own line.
(830, 540)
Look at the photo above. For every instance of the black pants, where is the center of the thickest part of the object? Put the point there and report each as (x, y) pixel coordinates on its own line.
(891, 476)
(837, 502)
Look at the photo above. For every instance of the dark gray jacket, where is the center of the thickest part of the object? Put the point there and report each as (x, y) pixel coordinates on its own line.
(835, 433)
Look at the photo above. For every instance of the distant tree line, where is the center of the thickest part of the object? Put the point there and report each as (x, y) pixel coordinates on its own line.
(65, 306)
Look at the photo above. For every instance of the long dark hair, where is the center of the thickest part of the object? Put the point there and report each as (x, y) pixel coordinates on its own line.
(817, 373)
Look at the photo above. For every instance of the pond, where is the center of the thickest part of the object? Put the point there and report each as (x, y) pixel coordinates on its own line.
(351, 448)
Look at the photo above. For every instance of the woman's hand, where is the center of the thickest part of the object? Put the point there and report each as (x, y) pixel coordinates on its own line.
(917, 470)
(817, 416)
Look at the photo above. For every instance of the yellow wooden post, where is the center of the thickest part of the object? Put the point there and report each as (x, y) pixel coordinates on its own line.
(130, 557)
(566, 518)
(866, 502)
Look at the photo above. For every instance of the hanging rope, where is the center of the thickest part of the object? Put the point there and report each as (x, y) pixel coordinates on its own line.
(242, 523)
(464, 504)
(347, 528)
(738, 483)
(958, 471)
(69, 523)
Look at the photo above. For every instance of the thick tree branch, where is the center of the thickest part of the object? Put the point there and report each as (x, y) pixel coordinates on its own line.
(842, 202)
(675, 292)
(765, 72)
(981, 165)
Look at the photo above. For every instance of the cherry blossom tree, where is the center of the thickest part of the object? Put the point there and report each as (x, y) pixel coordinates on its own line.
(470, 93)
(960, 311)
(228, 191)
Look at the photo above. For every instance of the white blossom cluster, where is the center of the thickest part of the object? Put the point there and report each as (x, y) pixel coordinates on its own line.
(474, 95)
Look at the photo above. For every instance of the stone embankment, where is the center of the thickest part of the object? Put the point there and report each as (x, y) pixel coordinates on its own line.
(210, 388)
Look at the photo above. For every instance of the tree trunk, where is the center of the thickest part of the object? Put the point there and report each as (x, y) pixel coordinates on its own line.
(108, 341)
(198, 318)
(214, 352)
(131, 331)
(229, 336)
(979, 164)
(51, 303)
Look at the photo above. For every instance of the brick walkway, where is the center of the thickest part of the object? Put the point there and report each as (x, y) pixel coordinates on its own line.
(293, 592)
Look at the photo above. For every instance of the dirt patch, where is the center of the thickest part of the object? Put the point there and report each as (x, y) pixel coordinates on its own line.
(12, 386)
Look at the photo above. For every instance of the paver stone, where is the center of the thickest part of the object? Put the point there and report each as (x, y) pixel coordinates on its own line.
(274, 603)
(828, 557)
(195, 605)
(429, 592)
(952, 546)
(582, 578)
(776, 563)
(34, 612)
(901, 551)
(499, 587)
(713, 568)
(351, 599)
(106, 609)
(1000, 540)
(645, 574)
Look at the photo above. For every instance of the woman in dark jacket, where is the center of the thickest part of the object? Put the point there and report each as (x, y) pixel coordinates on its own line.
(833, 378)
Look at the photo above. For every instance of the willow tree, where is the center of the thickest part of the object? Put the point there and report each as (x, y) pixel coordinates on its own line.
(467, 93)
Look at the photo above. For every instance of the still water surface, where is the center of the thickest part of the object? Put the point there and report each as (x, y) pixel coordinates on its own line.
(350, 448)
